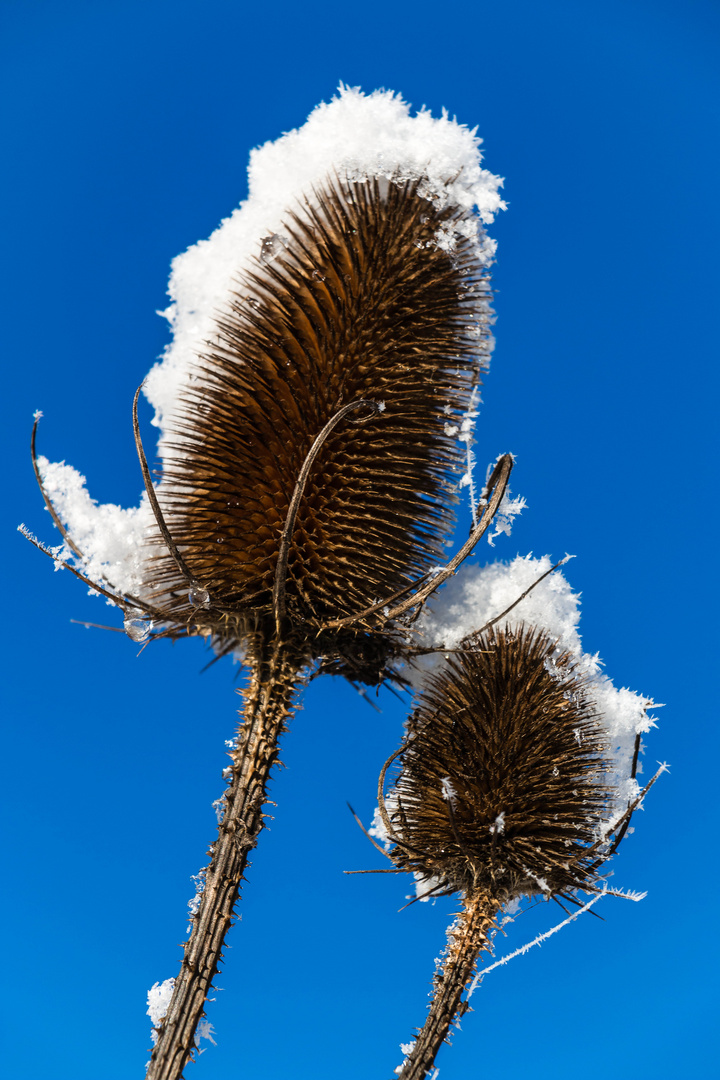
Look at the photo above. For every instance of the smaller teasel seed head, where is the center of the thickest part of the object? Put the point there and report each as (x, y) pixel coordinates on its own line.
(503, 786)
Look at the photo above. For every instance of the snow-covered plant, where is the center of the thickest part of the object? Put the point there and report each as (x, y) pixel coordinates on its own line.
(517, 773)
(316, 407)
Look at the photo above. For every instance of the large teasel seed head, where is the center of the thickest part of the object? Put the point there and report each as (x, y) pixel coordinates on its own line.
(502, 789)
(355, 300)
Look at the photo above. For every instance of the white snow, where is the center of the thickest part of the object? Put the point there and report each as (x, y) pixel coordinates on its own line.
(478, 594)
(355, 136)
(377, 828)
(158, 1000)
(406, 1049)
(112, 539)
(425, 887)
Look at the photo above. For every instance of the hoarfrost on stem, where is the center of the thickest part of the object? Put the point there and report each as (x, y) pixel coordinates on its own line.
(158, 1000)
(205, 1030)
(194, 902)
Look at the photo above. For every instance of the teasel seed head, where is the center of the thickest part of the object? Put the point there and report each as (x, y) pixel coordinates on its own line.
(355, 301)
(502, 789)
(315, 405)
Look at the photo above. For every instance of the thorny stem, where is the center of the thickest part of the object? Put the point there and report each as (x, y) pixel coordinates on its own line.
(466, 939)
(268, 703)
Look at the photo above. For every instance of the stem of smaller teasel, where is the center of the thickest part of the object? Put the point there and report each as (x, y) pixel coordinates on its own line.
(466, 940)
(275, 676)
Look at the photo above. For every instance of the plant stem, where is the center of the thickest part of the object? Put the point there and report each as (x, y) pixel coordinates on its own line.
(268, 702)
(466, 939)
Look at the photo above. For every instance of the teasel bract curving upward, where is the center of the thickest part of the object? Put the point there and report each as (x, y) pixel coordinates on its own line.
(316, 406)
(517, 774)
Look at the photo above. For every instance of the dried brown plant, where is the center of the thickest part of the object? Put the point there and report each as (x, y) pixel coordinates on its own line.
(308, 486)
(503, 792)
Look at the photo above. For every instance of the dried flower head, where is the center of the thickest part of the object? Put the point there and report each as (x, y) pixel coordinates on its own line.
(515, 775)
(317, 400)
(356, 303)
(503, 783)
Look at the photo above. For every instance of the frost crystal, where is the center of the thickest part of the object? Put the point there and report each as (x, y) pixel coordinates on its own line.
(506, 512)
(205, 1030)
(194, 903)
(406, 1049)
(448, 791)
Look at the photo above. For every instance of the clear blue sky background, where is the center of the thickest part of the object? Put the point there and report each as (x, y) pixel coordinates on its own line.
(126, 132)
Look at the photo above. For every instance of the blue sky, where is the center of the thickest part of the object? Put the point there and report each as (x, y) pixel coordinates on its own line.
(127, 128)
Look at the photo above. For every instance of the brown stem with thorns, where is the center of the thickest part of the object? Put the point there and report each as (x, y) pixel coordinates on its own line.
(268, 703)
(466, 940)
